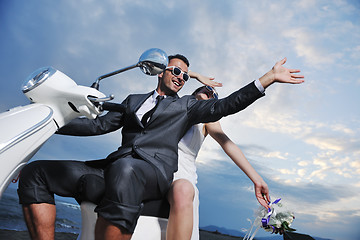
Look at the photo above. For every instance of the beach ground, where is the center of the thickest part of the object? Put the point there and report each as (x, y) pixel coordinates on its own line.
(23, 235)
(205, 235)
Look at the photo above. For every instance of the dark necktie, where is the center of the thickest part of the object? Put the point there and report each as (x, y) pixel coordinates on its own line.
(149, 113)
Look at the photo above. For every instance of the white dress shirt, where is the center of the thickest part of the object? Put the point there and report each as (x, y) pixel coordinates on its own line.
(147, 105)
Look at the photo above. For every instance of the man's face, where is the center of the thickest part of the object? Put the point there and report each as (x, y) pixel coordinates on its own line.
(170, 84)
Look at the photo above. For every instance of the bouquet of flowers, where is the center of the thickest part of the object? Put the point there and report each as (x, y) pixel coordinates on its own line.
(274, 220)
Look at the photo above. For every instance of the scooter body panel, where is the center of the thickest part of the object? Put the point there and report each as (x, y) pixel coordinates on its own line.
(23, 131)
(67, 99)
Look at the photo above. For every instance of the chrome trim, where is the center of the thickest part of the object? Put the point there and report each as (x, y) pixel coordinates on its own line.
(36, 78)
(104, 99)
(37, 127)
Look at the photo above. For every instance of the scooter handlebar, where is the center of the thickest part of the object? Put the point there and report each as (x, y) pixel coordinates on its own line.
(98, 100)
(113, 107)
(103, 105)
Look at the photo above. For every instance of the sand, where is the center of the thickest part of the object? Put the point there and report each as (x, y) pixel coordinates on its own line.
(23, 235)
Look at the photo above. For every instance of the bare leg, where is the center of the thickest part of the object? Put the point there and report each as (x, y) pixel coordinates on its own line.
(180, 224)
(106, 230)
(40, 220)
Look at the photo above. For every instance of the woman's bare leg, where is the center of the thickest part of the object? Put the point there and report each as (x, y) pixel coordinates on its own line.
(180, 224)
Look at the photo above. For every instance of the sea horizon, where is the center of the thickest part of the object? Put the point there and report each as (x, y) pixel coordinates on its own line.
(68, 219)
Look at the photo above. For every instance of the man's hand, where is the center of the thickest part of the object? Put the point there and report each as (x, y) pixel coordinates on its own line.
(281, 74)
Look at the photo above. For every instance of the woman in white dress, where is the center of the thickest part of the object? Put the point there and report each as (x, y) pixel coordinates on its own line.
(184, 196)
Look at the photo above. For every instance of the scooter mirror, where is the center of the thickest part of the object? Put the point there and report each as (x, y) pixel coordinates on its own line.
(151, 62)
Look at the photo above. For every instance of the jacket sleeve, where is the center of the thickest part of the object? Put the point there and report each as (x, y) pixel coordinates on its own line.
(109, 122)
(212, 110)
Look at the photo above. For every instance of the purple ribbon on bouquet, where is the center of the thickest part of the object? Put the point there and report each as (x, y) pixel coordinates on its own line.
(266, 219)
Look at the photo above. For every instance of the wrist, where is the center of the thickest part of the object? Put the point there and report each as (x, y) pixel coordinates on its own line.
(193, 74)
(257, 180)
(267, 79)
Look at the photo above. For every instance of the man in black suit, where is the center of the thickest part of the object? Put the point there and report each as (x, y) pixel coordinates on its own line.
(143, 166)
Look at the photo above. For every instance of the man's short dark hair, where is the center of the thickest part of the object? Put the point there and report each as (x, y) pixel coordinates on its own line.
(181, 57)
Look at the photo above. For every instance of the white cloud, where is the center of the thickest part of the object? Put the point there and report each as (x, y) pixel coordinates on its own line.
(325, 136)
(325, 143)
(321, 162)
(355, 165)
(303, 163)
(331, 211)
(307, 46)
(301, 172)
(275, 122)
(286, 171)
(278, 155)
(342, 128)
(339, 161)
(306, 4)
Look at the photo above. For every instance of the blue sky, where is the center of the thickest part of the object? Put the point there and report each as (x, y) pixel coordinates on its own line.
(303, 139)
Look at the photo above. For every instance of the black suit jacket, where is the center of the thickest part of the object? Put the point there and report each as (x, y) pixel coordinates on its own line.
(157, 142)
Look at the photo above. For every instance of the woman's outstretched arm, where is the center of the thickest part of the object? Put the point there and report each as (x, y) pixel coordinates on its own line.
(235, 153)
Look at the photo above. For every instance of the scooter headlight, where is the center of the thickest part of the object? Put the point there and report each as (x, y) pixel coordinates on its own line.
(36, 78)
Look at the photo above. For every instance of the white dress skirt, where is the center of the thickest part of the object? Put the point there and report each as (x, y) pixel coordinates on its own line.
(189, 147)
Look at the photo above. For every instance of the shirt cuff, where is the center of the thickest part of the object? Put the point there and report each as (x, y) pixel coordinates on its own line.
(259, 86)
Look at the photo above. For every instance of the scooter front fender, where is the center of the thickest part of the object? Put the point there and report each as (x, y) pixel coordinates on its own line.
(23, 131)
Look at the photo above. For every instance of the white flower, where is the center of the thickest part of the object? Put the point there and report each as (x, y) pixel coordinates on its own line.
(272, 220)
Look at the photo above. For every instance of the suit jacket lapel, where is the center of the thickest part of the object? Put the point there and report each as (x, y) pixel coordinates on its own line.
(162, 106)
(138, 101)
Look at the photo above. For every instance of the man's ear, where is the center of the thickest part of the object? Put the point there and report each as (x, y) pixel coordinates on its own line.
(160, 75)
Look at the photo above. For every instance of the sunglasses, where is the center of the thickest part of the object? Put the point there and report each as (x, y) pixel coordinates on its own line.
(211, 92)
(177, 71)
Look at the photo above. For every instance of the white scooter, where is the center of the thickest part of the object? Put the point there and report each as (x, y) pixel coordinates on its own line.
(56, 100)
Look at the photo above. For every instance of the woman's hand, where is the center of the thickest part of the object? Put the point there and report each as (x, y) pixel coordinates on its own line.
(209, 81)
(262, 193)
